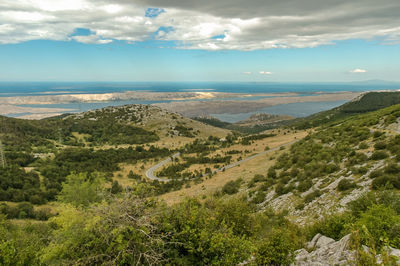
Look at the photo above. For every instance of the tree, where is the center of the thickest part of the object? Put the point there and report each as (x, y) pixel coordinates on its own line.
(82, 189)
(116, 187)
(116, 233)
(277, 250)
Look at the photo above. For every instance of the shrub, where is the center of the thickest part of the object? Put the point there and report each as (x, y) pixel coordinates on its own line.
(381, 223)
(259, 197)
(258, 178)
(379, 155)
(82, 189)
(385, 180)
(300, 206)
(334, 226)
(363, 146)
(345, 184)
(116, 187)
(277, 250)
(132, 175)
(232, 187)
(271, 173)
(310, 197)
(304, 185)
(377, 134)
(360, 205)
(392, 168)
(381, 145)
(375, 174)
(281, 189)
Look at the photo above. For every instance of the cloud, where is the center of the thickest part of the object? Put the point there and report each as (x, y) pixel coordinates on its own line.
(93, 39)
(358, 70)
(245, 25)
(265, 73)
(247, 73)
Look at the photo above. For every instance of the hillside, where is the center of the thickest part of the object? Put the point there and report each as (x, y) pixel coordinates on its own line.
(41, 154)
(333, 166)
(254, 124)
(219, 198)
(367, 102)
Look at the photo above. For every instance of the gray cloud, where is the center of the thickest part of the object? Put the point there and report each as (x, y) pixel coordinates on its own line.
(246, 25)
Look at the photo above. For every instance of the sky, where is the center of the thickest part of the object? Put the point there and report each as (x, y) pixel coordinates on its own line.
(208, 40)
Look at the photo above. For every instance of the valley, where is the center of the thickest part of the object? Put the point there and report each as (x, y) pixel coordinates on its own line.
(200, 188)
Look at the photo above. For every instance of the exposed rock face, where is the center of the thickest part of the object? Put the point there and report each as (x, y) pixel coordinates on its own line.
(326, 251)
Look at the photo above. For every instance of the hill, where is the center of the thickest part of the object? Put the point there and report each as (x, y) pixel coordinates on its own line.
(334, 165)
(254, 124)
(367, 102)
(223, 198)
(40, 154)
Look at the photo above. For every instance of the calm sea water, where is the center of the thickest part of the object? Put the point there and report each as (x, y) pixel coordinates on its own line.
(15, 89)
(293, 109)
(42, 88)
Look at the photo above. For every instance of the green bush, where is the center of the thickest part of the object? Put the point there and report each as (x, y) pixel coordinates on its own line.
(334, 226)
(392, 168)
(82, 189)
(277, 250)
(232, 187)
(379, 155)
(363, 146)
(375, 174)
(259, 197)
(346, 184)
(305, 185)
(386, 180)
(381, 145)
(381, 223)
(311, 196)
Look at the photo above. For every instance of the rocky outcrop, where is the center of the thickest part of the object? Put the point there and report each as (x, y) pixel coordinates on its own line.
(325, 251)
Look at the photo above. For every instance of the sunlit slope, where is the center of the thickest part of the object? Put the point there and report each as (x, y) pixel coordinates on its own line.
(333, 165)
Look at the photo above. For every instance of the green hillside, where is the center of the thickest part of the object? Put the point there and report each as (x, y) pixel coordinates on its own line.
(61, 203)
(367, 102)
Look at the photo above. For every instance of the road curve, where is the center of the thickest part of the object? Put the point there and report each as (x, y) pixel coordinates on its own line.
(150, 172)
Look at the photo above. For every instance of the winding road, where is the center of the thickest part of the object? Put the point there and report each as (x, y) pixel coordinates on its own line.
(150, 171)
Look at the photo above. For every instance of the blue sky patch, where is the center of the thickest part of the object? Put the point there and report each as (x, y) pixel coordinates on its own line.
(216, 37)
(152, 12)
(82, 32)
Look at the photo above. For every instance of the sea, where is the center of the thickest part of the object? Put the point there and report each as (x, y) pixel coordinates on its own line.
(16, 89)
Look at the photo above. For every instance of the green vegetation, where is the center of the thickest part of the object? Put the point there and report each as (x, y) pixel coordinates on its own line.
(62, 203)
(368, 102)
(375, 216)
(254, 129)
(232, 187)
(345, 184)
(138, 230)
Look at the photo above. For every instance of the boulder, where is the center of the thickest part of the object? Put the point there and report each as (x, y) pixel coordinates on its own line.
(326, 251)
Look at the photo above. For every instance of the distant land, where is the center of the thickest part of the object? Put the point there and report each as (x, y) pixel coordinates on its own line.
(227, 101)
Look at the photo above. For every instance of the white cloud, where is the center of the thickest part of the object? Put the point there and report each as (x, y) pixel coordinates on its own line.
(265, 73)
(93, 39)
(247, 73)
(245, 25)
(358, 70)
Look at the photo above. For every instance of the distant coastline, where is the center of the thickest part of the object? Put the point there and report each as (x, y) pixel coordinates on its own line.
(224, 100)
